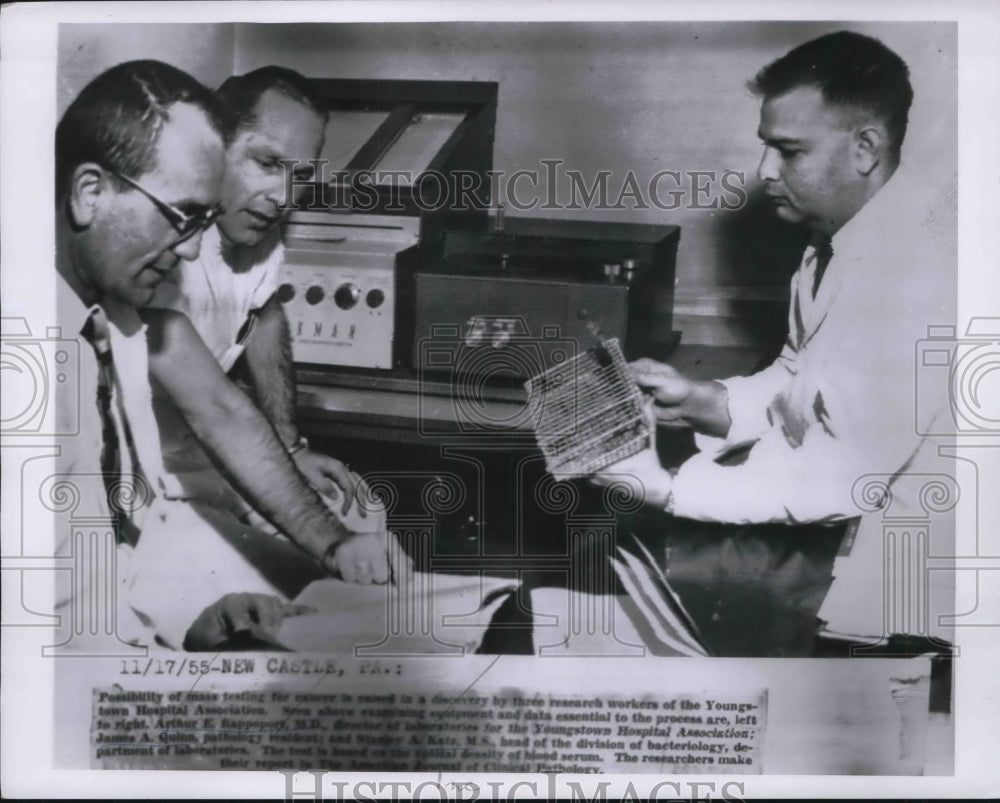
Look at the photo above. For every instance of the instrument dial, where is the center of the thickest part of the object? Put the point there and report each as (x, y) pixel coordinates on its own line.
(314, 294)
(347, 295)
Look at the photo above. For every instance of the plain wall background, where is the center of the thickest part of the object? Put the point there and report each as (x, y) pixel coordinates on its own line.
(86, 50)
(640, 97)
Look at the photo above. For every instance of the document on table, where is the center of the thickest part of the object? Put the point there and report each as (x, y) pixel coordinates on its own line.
(420, 614)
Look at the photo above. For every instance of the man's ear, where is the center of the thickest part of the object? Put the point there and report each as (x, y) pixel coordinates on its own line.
(869, 147)
(87, 184)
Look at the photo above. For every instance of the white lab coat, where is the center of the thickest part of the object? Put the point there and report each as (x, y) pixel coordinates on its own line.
(836, 427)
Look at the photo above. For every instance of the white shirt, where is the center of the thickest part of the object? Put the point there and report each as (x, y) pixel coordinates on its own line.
(219, 300)
(218, 297)
(180, 565)
(837, 411)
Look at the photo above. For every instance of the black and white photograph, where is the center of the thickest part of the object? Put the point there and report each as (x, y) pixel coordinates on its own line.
(456, 402)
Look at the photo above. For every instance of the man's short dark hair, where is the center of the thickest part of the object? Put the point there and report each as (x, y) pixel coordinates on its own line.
(240, 95)
(117, 119)
(853, 72)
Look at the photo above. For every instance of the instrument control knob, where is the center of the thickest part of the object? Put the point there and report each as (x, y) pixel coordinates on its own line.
(314, 294)
(286, 293)
(375, 298)
(347, 295)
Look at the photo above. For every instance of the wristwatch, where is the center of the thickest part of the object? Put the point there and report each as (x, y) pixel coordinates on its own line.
(668, 505)
(300, 444)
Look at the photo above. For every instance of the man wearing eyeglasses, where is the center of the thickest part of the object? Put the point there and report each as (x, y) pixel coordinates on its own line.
(186, 223)
(220, 308)
(139, 163)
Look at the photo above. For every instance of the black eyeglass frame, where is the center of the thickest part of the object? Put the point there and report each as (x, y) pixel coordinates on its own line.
(184, 224)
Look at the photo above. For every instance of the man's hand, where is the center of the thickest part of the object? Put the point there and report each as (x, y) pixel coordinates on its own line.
(258, 613)
(360, 558)
(331, 477)
(642, 474)
(682, 403)
(237, 434)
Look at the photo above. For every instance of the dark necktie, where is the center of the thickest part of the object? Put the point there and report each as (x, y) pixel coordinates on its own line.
(96, 333)
(823, 255)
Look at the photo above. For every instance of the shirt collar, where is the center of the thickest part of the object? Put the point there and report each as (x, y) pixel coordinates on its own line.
(73, 313)
(890, 203)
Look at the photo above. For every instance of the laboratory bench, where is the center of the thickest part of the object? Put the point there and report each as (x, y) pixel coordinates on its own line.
(460, 467)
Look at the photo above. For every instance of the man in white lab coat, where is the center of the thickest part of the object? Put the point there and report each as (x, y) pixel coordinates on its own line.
(812, 456)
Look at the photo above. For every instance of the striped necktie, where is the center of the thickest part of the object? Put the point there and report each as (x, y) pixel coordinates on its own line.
(120, 496)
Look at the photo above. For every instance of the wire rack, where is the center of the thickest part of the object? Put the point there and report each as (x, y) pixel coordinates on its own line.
(587, 412)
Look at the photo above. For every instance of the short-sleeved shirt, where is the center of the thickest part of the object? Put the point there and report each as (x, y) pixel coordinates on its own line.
(220, 300)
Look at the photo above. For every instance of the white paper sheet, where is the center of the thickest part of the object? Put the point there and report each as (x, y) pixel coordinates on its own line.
(421, 614)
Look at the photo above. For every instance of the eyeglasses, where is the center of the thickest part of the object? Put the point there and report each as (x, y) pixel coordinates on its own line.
(184, 224)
